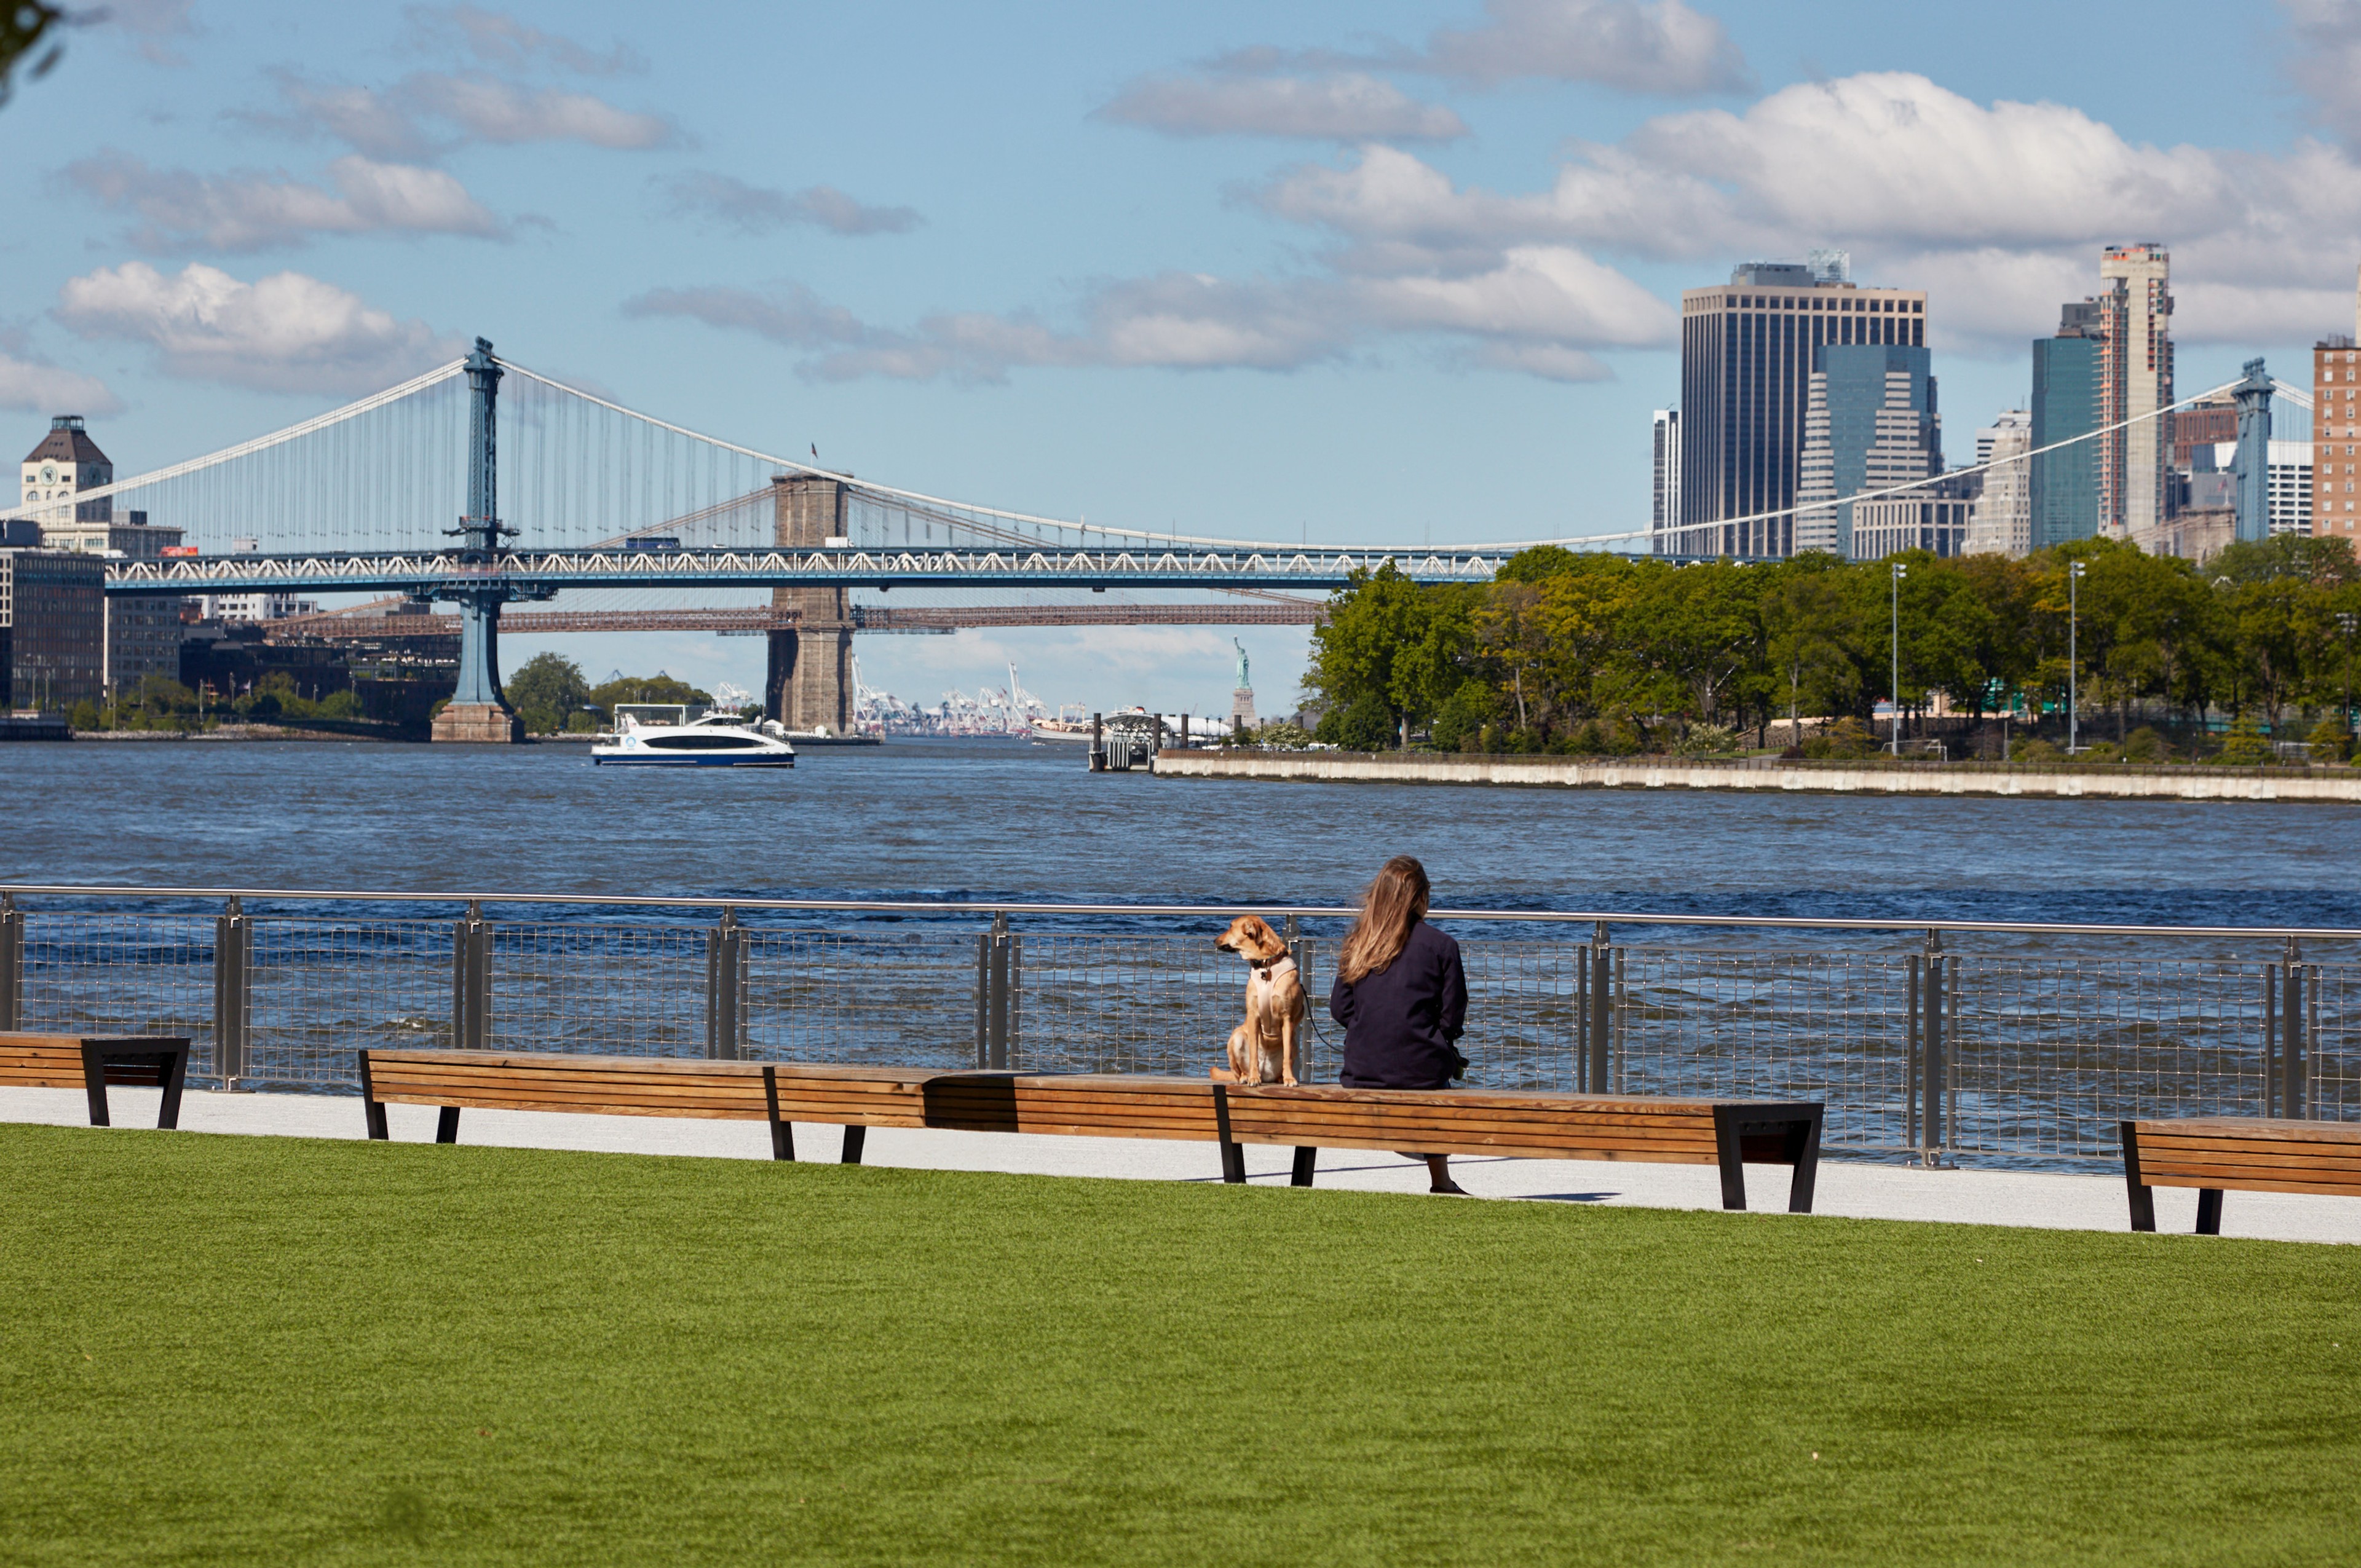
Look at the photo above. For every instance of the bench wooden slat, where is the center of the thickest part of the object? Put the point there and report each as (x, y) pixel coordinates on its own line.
(91, 1062)
(1309, 1116)
(2218, 1154)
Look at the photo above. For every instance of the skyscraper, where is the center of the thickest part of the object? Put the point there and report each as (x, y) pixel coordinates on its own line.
(1869, 423)
(1746, 367)
(2002, 522)
(2136, 380)
(1665, 511)
(2064, 501)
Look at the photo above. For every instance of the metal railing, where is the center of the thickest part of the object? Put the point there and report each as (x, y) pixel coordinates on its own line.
(2003, 1042)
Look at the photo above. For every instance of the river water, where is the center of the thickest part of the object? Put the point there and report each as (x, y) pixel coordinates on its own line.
(992, 819)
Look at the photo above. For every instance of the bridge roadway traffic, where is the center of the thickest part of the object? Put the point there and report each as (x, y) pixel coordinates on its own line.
(537, 573)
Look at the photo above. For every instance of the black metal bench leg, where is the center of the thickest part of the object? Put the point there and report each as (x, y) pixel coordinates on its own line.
(2143, 1196)
(446, 1126)
(2209, 1210)
(1806, 1148)
(855, 1138)
(1306, 1160)
(1234, 1158)
(1730, 1154)
(373, 1113)
(176, 1075)
(93, 1084)
(783, 1134)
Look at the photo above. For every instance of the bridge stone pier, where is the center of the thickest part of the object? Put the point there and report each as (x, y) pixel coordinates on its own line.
(810, 681)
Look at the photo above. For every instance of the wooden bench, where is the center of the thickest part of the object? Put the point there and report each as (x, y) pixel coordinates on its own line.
(1725, 1134)
(91, 1062)
(2214, 1154)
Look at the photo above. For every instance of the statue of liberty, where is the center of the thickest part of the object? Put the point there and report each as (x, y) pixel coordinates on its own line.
(1245, 684)
(1242, 707)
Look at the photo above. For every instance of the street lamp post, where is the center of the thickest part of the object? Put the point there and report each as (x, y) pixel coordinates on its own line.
(2073, 659)
(1900, 572)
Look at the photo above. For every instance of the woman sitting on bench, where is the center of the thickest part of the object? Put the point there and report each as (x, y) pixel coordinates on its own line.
(1401, 997)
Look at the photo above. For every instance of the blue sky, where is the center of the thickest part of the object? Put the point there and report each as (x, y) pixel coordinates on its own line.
(1381, 271)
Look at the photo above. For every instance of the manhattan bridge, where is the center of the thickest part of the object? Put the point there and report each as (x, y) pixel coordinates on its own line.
(484, 485)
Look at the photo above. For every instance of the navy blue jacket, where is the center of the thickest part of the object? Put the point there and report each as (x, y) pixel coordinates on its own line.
(1400, 1023)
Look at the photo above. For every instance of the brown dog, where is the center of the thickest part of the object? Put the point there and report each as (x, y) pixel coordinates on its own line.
(1269, 1044)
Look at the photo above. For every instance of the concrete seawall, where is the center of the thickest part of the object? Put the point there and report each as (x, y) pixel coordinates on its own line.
(1567, 772)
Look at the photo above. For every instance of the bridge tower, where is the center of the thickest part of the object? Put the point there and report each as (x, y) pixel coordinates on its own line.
(809, 685)
(2253, 463)
(479, 710)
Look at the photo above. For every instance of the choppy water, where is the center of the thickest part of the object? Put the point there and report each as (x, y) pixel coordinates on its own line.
(999, 820)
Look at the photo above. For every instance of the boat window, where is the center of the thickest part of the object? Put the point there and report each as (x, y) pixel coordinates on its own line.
(694, 742)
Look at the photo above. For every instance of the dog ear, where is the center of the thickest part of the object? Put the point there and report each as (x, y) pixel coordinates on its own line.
(1259, 929)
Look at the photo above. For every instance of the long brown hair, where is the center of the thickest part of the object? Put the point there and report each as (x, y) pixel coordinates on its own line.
(1395, 902)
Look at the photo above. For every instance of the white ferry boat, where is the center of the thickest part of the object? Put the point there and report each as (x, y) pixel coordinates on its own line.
(665, 735)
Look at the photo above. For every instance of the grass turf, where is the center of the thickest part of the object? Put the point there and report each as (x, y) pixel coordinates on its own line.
(225, 1349)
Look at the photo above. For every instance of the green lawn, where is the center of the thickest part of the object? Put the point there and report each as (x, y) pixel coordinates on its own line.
(244, 1350)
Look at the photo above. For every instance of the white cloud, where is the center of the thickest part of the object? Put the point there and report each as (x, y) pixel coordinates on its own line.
(286, 332)
(182, 210)
(155, 26)
(1539, 312)
(1345, 107)
(1999, 208)
(485, 108)
(1659, 47)
(35, 388)
(429, 112)
(756, 210)
(505, 41)
(2324, 62)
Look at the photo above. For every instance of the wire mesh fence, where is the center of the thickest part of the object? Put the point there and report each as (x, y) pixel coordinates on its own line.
(1992, 1055)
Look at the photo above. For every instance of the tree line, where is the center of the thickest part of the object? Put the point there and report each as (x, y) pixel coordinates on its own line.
(1608, 653)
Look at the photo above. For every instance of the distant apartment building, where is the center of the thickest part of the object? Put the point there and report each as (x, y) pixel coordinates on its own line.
(2136, 378)
(142, 635)
(1747, 358)
(1664, 510)
(2001, 521)
(2205, 423)
(52, 630)
(1870, 424)
(2336, 429)
(250, 606)
(1933, 518)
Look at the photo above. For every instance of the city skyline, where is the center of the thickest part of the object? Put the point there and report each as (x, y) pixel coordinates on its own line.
(1205, 269)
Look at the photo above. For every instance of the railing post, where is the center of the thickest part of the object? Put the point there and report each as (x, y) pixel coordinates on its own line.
(1914, 1092)
(2291, 1021)
(1931, 1032)
(2271, 1106)
(984, 999)
(471, 981)
(12, 963)
(233, 994)
(1596, 1066)
(725, 978)
(996, 999)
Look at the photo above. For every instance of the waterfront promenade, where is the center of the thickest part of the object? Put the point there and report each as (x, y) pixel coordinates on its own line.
(1845, 1187)
(2342, 786)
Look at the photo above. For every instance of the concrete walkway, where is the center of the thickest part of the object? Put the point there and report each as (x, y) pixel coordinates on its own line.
(2095, 1202)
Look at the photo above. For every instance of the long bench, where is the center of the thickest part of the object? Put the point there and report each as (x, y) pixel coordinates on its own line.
(1725, 1133)
(91, 1062)
(2246, 1154)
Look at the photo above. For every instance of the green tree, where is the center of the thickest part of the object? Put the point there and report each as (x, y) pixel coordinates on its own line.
(1807, 625)
(547, 692)
(1389, 639)
(655, 688)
